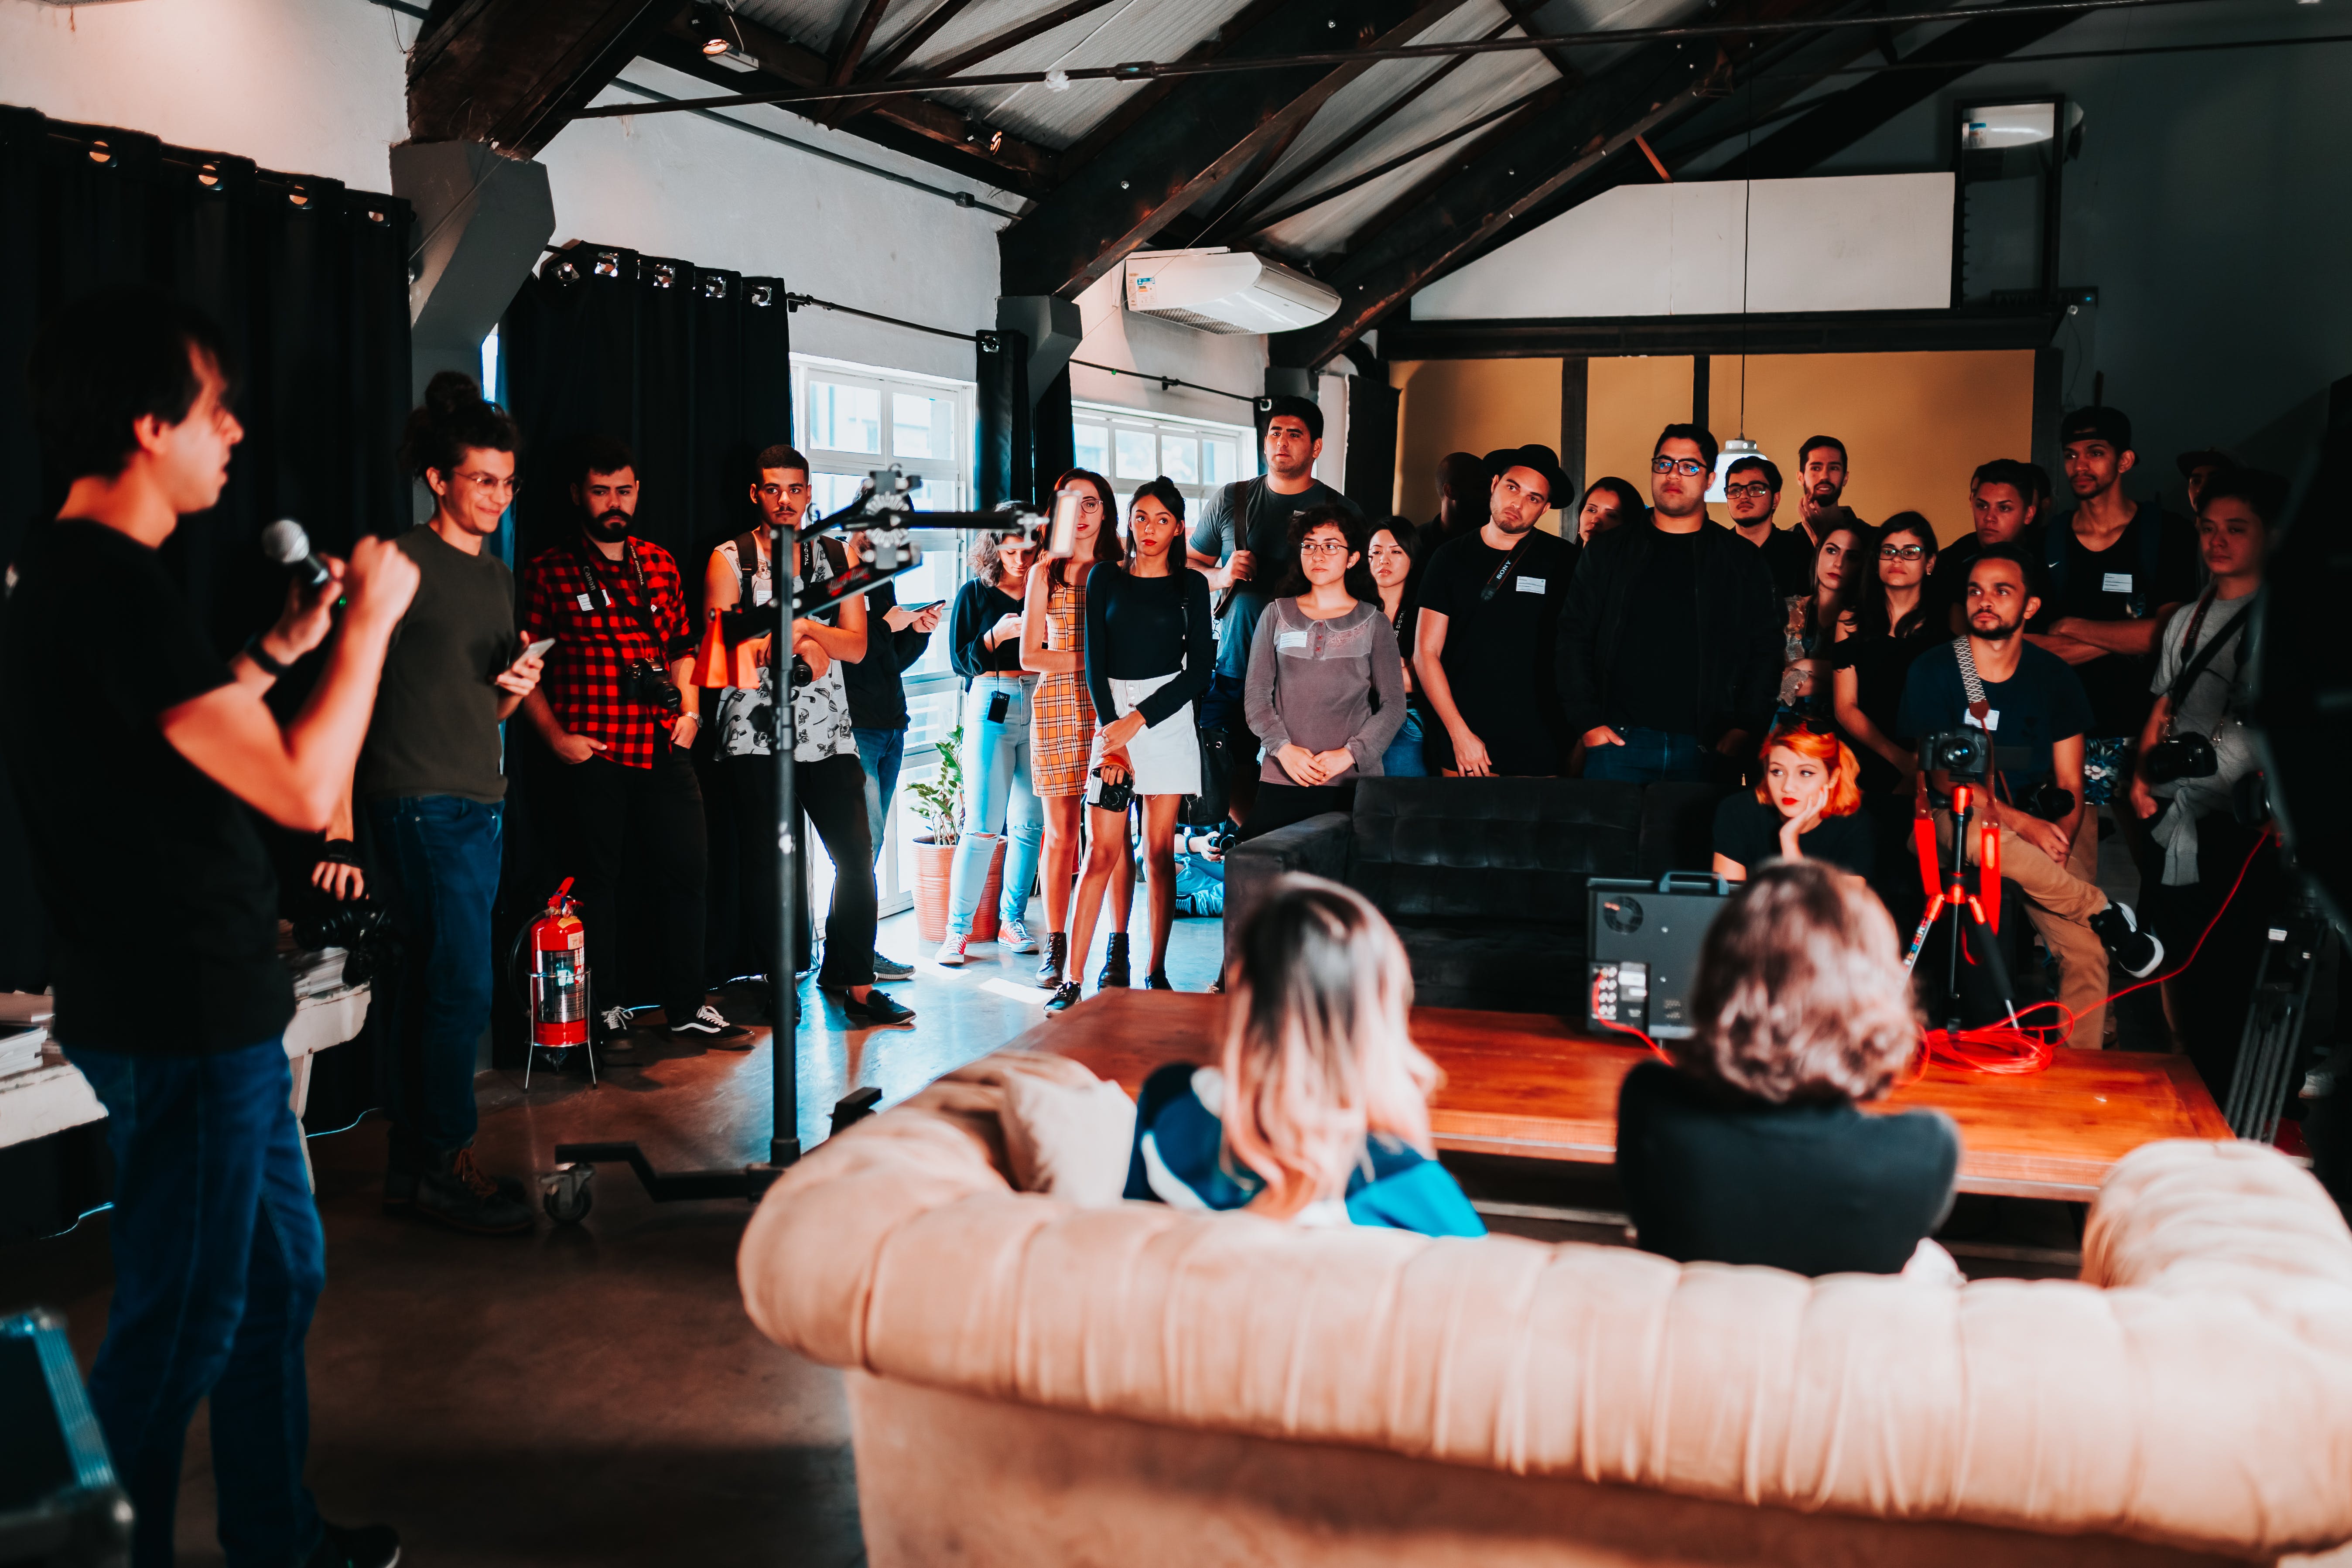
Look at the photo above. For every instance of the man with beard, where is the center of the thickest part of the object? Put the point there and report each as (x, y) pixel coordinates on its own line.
(1820, 480)
(618, 707)
(1670, 655)
(1489, 618)
(1995, 680)
(1752, 486)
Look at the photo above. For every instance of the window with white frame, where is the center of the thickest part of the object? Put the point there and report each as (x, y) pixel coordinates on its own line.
(1128, 447)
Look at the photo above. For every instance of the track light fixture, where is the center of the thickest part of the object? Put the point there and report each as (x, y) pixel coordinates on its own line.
(714, 29)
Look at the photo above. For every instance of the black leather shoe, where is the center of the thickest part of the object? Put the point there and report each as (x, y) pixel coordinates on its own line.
(1158, 981)
(1057, 958)
(359, 1546)
(1065, 998)
(1114, 969)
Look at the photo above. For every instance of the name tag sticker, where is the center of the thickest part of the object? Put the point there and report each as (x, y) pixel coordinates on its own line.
(585, 602)
(1290, 640)
(1531, 584)
(1991, 720)
(2116, 583)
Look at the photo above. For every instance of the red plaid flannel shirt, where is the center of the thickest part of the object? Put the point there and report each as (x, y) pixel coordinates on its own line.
(596, 636)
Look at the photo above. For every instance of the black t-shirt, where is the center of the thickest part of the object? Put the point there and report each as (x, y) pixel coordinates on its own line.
(1264, 532)
(1142, 628)
(1882, 666)
(1789, 551)
(1713, 1176)
(1499, 650)
(435, 726)
(1654, 677)
(1747, 830)
(875, 685)
(2040, 703)
(154, 877)
(2109, 585)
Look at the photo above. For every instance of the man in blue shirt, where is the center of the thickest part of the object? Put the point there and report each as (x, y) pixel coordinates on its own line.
(2033, 707)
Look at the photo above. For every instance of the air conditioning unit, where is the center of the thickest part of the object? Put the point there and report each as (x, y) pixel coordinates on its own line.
(1222, 290)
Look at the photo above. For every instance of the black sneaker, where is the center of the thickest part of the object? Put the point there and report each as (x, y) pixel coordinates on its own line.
(358, 1546)
(711, 1025)
(878, 1008)
(1158, 981)
(889, 968)
(1057, 955)
(1065, 998)
(1114, 969)
(459, 1194)
(2136, 952)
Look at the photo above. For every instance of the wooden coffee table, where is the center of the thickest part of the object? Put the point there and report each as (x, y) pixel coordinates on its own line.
(1525, 1084)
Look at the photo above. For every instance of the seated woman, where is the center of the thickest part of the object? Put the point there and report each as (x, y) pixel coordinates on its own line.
(1751, 1148)
(1804, 810)
(1317, 1110)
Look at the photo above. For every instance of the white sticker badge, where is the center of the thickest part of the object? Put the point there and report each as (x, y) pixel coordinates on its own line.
(2116, 583)
(1289, 640)
(585, 602)
(1531, 584)
(1991, 720)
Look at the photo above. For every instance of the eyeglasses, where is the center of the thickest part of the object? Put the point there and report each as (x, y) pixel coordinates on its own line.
(1323, 547)
(1689, 468)
(1756, 492)
(1901, 552)
(491, 482)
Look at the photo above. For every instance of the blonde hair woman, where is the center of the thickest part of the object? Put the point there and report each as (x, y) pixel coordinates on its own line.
(1317, 1110)
(1752, 1148)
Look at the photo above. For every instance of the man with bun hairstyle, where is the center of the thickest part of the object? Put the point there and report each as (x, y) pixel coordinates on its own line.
(432, 780)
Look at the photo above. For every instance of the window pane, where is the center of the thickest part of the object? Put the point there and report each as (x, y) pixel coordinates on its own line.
(1180, 458)
(845, 418)
(1136, 457)
(940, 572)
(930, 715)
(831, 492)
(1093, 448)
(1222, 462)
(919, 426)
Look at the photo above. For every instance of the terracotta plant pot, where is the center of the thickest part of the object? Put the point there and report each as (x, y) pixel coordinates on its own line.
(934, 869)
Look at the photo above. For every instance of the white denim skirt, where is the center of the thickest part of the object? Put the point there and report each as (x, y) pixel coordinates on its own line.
(1166, 755)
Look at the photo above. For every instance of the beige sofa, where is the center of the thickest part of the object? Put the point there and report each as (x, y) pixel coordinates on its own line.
(1049, 1376)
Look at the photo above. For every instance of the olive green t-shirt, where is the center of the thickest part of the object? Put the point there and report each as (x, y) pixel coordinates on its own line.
(435, 729)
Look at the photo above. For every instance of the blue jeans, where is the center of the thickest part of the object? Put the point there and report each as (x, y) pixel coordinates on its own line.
(1648, 756)
(440, 858)
(218, 1261)
(879, 752)
(1404, 758)
(998, 800)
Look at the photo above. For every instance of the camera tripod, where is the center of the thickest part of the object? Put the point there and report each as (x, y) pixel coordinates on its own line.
(1951, 898)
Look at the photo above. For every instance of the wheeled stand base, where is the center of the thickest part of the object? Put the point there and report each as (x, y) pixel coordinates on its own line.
(568, 1191)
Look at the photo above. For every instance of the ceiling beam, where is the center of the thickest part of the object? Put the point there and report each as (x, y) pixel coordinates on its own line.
(1199, 135)
(1523, 12)
(850, 47)
(511, 73)
(903, 46)
(989, 48)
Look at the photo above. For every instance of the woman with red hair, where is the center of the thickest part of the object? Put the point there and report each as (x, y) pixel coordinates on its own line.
(1804, 809)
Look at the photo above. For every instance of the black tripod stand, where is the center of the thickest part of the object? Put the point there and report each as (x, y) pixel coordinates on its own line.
(1949, 895)
(884, 510)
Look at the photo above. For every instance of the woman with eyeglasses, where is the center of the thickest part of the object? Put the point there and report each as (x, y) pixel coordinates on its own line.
(1323, 691)
(1391, 553)
(1813, 616)
(1062, 717)
(1891, 625)
(1150, 649)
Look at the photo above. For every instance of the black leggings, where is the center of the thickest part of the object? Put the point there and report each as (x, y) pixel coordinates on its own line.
(832, 794)
(1280, 804)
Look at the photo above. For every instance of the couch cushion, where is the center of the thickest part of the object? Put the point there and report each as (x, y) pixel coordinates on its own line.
(1526, 968)
(1507, 849)
(1678, 828)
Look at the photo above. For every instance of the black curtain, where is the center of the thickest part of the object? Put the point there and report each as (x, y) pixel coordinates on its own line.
(691, 366)
(1002, 370)
(309, 281)
(1371, 473)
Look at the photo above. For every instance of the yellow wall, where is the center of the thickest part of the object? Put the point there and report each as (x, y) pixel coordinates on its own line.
(1469, 405)
(1914, 424)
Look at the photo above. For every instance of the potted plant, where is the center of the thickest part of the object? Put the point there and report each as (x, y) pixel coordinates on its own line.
(939, 801)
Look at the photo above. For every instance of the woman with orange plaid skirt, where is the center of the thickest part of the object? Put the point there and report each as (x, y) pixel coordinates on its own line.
(1061, 722)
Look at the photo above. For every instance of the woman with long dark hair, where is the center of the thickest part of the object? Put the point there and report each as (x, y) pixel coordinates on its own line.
(1608, 503)
(1393, 553)
(1892, 623)
(1150, 649)
(985, 645)
(1062, 714)
(1814, 614)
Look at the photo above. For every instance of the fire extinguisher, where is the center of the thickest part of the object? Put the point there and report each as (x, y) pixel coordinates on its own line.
(559, 973)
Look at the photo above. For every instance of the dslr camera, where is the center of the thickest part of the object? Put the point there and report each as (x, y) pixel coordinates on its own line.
(643, 680)
(1965, 754)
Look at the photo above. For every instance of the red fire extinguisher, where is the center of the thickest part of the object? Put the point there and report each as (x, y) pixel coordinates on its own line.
(559, 973)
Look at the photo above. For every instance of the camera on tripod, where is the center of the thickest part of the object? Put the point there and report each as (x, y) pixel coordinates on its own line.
(643, 680)
(1966, 755)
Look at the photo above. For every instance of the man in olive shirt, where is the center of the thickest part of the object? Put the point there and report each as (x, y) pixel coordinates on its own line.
(434, 788)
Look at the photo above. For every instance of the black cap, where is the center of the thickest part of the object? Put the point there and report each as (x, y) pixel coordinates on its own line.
(2205, 458)
(1542, 460)
(2097, 423)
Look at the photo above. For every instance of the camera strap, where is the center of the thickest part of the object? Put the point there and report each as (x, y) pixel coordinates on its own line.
(606, 600)
(1972, 684)
(2205, 656)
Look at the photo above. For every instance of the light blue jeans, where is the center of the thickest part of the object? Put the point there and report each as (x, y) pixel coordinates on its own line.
(1405, 759)
(998, 800)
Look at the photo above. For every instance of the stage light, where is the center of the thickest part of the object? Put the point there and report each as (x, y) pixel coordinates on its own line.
(714, 29)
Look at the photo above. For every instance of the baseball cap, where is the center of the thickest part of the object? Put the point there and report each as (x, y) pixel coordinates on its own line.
(2097, 423)
(1542, 460)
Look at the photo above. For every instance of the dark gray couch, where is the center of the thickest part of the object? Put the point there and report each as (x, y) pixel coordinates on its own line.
(1484, 878)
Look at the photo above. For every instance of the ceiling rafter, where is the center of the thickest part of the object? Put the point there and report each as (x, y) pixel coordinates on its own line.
(902, 47)
(1152, 95)
(990, 47)
(512, 73)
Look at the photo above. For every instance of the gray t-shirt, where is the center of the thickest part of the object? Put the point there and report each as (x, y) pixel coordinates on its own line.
(435, 727)
(1251, 516)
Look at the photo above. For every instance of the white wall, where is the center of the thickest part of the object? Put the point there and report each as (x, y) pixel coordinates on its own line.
(305, 87)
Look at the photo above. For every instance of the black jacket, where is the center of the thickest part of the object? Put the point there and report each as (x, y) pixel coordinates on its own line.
(1739, 622)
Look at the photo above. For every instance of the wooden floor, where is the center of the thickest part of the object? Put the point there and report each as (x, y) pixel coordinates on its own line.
(1526, 1085)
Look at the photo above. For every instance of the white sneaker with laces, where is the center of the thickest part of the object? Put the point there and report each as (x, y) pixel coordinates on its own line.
(709, 1020)
(1013, 936)
(950, 951)
(615, 1020)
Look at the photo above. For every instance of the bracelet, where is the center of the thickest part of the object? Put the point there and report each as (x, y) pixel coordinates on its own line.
(341, 851)
(260, 656)
(696, 717)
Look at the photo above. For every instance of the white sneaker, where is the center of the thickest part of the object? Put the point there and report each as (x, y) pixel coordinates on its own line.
(615, 1021)
(950, 951)
(1014, 937)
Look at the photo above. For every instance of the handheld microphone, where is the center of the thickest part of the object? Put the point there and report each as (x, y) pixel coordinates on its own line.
(285, 542)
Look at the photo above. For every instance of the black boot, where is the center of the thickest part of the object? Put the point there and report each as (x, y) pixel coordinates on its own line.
(1065, 998)
(457, 1192)
(1114, 969)
(1058, 957)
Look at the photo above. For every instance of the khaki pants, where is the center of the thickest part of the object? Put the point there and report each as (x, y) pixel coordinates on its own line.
(2059, 902)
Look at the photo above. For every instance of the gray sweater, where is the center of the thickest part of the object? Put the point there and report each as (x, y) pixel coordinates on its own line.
(1311, 683)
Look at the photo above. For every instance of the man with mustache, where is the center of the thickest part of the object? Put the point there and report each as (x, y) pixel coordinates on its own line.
(616, 608)
(1670, 648)
(2033, 707)
(1821, 481)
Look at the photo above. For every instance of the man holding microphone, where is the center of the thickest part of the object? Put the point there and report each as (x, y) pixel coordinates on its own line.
(135, 750)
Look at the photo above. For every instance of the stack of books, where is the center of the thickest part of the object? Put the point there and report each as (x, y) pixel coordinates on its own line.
(24, 1029)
